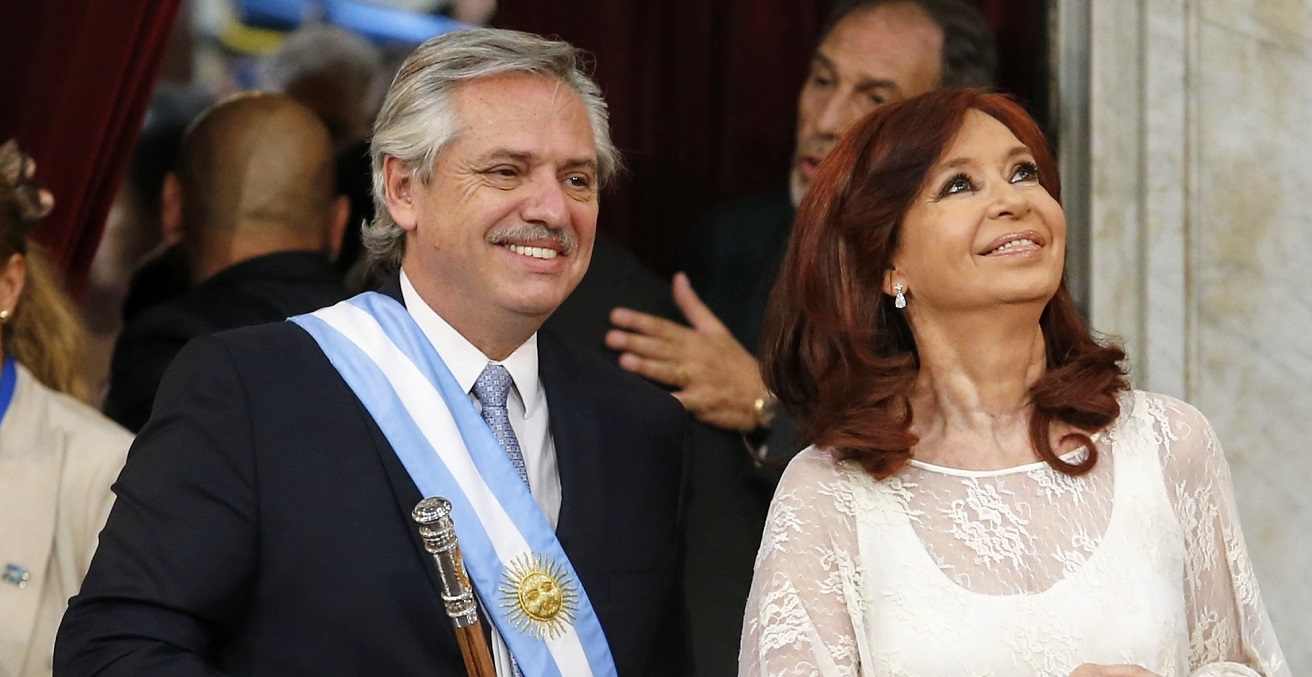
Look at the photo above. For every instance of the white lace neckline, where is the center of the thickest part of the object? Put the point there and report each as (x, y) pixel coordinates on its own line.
(996, 472)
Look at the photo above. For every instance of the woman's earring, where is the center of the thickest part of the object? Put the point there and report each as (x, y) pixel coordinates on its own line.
(4, 315)
(899, 296)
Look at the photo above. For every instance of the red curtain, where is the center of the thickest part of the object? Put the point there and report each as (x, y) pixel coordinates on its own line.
(75, 82)
(703, 95)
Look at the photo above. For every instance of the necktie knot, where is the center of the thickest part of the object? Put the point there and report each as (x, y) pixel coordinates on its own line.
(493, 386)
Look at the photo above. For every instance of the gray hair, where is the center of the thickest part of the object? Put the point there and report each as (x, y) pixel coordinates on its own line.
(970, 56)
(418, 117)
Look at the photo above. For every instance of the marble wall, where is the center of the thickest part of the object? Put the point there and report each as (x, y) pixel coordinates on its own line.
(1199, 142)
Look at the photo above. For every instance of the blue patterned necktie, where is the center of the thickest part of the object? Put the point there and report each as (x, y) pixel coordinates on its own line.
(492, 388)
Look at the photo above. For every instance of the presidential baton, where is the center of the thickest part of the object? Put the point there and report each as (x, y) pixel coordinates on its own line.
(439, 534)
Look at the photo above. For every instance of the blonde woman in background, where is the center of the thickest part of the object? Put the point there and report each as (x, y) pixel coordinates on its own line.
(58, 456)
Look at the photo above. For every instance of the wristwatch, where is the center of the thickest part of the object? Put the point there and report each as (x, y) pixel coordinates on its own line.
(764, 408)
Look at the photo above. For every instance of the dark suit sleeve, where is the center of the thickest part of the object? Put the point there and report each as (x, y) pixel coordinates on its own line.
(673, 646)
(178, 553)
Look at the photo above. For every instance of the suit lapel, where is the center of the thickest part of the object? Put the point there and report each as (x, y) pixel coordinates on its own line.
(403, 486)
(31, 461)
(574, 421)
(404, 492)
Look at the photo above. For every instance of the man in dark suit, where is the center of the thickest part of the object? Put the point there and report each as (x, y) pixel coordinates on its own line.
(262, 522)
(252, 206)
(870, 52)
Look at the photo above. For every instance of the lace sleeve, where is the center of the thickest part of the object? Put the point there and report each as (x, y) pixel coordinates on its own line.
(1230, 633)
(803, 615)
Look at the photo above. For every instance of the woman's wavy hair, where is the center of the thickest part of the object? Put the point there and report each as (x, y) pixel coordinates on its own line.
(43, 333)
(842, 360)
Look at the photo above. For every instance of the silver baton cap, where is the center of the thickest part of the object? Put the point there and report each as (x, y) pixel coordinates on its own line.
(439, 535)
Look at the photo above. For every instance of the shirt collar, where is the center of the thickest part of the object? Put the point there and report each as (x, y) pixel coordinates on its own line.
(466, 361)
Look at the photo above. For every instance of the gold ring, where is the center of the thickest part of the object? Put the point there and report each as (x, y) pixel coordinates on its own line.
(681, 376)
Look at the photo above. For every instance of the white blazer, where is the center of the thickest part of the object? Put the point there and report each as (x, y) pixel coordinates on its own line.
(58, 458)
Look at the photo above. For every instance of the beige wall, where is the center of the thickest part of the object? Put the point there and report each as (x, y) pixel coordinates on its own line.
(1200, 205)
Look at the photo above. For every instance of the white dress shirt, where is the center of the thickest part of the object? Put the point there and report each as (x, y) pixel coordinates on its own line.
(526, 405)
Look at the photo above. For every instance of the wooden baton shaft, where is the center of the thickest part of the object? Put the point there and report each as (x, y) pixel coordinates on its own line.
(474, 649)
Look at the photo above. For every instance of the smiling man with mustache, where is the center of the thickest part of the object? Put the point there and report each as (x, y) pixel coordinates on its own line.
(263, 525)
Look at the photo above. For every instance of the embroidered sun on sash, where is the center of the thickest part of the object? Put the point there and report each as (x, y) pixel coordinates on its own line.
(528, 586)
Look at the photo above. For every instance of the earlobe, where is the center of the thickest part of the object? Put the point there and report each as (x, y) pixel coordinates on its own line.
(398, 184)
(891, 278)
(12, 277)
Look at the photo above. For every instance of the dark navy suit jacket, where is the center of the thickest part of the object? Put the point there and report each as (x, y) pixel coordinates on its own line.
(262, 523)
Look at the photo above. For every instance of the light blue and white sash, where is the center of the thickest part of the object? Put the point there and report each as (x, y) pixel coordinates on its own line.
(509, 547)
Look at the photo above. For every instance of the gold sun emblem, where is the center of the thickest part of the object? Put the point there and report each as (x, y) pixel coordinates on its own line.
(539, 595)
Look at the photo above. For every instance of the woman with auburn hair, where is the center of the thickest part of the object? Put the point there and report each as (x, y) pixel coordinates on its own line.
(986, 495)
(58, 456)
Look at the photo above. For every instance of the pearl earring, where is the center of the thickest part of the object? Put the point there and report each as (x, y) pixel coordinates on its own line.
(899, 296)
(4, 315)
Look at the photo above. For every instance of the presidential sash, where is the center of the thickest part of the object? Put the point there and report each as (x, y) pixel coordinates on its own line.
(529, 589)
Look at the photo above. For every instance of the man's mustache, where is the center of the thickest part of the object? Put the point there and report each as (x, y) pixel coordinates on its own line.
(527, 233)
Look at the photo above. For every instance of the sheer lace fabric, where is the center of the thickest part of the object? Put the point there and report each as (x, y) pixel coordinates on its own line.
(1024, 571)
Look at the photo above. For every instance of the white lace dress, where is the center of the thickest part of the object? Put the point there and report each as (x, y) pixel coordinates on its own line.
(1025, 571)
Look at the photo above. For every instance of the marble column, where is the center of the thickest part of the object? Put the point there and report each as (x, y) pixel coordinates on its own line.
(1199, 152)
